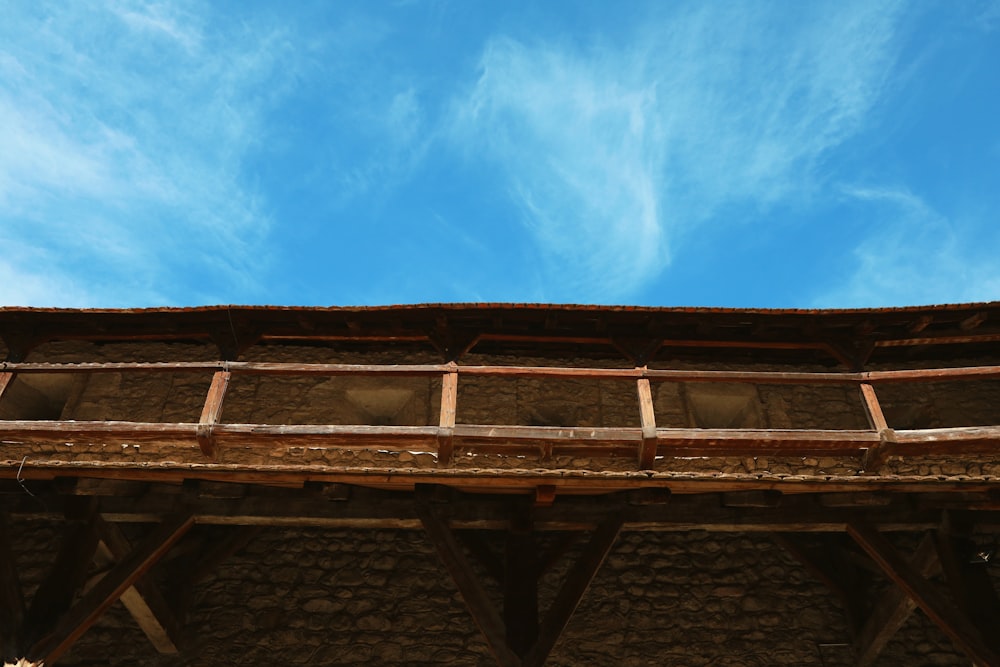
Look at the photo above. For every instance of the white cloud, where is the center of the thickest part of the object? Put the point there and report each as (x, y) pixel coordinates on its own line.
(139, 115)
(613, 151)
(916, 255)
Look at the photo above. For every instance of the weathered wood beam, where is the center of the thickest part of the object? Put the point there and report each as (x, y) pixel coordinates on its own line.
(476, 598)
(647, 417)
(143, 599)
(938, 608)
(573, 588)
(877, 454)
(796, 513)
(12, 607)
(446, 422)
(69, 572)
(96, 601)
(892, 609)
(211, 413)
(5, 380)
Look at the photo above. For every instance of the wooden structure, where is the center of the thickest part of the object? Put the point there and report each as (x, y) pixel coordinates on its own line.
(827, 430)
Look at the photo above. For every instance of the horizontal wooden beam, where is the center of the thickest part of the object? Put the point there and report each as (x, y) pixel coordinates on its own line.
(377, 509)
(554, 372)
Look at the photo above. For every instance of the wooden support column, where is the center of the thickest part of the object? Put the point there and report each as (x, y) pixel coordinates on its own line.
(12, 609)
(143, 600)
(877, 454)
(938, 608)
(520, 586)
(212, 412)
(970, 585)
(892, 610)
(191, 571)
(827, 564)
(97, 600)
(647, 416)
(446, 423)
(476, 598)
(572, 590)
(67, 576)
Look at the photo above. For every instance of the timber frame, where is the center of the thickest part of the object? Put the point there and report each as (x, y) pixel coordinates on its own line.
(517, 481)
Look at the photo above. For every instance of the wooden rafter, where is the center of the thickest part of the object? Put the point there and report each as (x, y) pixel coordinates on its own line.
(938, 608)
(97, 600)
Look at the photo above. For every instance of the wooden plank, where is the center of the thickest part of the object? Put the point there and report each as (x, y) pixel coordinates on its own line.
(446, 421)
(647, 419)
(573, 588)
(938, 608)
(476, 598)
(143, 599)
(67, 576)
(96, 601)
(933, 374)
(894, 608)
(12, 607)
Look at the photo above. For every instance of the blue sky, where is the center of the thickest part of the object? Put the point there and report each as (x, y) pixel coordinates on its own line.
(785, 154)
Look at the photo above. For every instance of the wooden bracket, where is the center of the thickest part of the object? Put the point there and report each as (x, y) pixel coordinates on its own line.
(938, 608)
(109, 589)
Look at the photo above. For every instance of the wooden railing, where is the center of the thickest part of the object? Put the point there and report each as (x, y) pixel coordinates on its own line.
(645, 443)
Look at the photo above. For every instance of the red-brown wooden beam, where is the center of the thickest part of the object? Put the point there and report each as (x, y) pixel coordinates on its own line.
(212, 412)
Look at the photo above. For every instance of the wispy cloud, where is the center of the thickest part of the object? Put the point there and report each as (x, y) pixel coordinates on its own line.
(122, 134)
(916, 255)
(614, 150)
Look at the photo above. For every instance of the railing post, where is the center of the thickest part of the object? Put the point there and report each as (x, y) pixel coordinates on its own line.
(647, 419)
(212, 412)
(446, 424)
(876, 455)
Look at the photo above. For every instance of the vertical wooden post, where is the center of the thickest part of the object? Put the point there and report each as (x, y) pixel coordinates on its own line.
(876, 455)
(446, 424)
(212, 412)
(647, 416)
